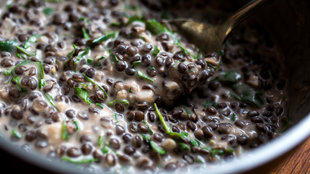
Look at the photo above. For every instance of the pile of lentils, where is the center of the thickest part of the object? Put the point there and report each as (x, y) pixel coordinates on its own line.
(104, 85)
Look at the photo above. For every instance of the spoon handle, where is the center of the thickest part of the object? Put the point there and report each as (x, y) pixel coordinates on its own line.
(240, 15)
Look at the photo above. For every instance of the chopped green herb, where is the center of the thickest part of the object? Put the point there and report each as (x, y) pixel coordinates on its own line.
(124, 101)
(81, 55)
(8, 80)
(115, 24)
(89, 61)
(214, 105)
(114, 58)
(188, 112)
(157, 148)
(84, 52)
(40, 67)
(20, 56)
(16, 79)
(155, 27)
(182, 48)
(41, 75)
(22, 63)
(115, 117)
(207, 148)
(64, 132)
(42, 82)
(136, 63)
(182, 135)
(229, 77)
(105, 149)
(7, 72)
(99, 105)
(70, 55)
(82, 161)
(8, 46)
(50, 99)
(143, 76)
(97, 63)
(161, 118)
(31, 40)
(101, 58)
(229, 151)
(83, 94)
(85, 34)
(9, 5)
(247, 95)
(194, 142)
(198, 54)
(125, 14)
(209, 102)
(222, 53)
(84, 19)
(100, 141)
(85, 86)
(217, 152)
(24, 51)
(94, 83)
(218, 64)
(48, 11)
(233, 117)
(184, 146)
(134, 18)
(235, 97)
(154, 146)
(211, 66)
(155, 51)
(104, 38)
(76, 124)
(146, 137)
(143, 38)
(16, 134)
(148, 127)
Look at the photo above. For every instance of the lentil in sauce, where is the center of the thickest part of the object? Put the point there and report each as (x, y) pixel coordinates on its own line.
(104, 84)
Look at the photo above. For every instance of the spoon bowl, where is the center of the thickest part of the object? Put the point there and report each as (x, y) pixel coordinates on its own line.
(210, 38)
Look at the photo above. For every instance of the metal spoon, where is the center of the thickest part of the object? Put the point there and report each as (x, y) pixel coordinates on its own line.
(210, 38)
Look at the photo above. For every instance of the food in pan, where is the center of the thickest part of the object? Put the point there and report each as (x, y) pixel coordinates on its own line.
(110, 84)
